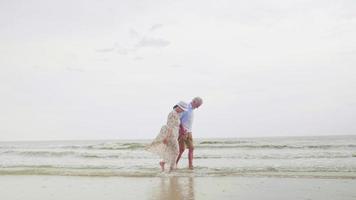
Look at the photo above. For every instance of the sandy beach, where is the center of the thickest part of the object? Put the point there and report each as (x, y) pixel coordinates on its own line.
(172, 187)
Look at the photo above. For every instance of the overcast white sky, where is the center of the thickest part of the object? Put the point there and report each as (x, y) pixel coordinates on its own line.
(114, 69)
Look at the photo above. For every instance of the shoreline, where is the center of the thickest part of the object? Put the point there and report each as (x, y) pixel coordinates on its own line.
(155, 173)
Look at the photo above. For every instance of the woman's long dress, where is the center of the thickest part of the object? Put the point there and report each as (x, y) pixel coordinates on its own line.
(167, 152)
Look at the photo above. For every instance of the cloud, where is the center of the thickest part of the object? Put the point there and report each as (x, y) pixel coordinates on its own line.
(133, 33)
(138, 58)
(152, 42)
(137, 42)
(71, 69)
(39, 68)
(156, 26)
(105, 50)
(175, 66)
(101, 59)
(122, 51)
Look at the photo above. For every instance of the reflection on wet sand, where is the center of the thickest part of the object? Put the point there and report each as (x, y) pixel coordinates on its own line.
(174, 188)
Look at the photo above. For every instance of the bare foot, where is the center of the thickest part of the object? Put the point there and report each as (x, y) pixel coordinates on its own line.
(171, 169)
(191, 167)
(162, 165)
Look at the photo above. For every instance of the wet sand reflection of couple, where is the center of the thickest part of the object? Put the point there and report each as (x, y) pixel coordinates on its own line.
(174, 188)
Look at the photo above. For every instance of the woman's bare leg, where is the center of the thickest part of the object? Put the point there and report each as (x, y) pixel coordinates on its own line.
(161, 163)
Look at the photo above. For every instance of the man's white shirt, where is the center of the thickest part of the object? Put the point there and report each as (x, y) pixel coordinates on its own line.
(187, 118)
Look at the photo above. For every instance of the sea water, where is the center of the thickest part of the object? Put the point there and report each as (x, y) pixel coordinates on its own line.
(319, 156)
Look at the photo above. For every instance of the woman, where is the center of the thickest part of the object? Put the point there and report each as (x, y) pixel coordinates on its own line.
(166, 143)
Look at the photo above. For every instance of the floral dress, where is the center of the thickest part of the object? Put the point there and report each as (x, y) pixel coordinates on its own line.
(167, 152)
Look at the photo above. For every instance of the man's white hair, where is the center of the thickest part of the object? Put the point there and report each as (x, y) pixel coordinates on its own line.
(198, 100)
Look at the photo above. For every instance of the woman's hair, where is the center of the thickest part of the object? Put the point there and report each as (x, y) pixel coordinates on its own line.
(175, 106)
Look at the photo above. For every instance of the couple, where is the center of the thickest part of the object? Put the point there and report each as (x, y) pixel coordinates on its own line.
(176, 135)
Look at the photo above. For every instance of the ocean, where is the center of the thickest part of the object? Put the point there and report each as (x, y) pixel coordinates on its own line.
(319, 156)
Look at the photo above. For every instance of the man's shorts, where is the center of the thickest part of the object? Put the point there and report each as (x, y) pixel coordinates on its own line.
(186, 141)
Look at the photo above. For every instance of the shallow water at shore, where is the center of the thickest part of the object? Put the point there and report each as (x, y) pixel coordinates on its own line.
(327, 156)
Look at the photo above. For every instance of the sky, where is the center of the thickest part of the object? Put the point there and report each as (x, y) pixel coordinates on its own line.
(113, 69)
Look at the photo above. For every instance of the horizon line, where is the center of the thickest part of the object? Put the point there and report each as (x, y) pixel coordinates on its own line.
(197, 138)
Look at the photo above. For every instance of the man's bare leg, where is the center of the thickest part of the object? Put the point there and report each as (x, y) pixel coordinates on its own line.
(190, 157)
(181, 150)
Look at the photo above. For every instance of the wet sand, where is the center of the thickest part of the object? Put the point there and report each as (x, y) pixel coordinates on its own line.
(252, 188)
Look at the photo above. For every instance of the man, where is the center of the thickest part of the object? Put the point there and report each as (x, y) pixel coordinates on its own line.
(185, 138)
